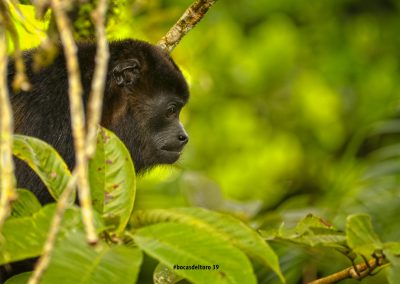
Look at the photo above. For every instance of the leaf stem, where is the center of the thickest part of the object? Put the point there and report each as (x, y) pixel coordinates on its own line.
(77, 117)
(95, 103)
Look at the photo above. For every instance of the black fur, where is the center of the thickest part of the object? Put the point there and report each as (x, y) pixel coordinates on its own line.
(136, 108)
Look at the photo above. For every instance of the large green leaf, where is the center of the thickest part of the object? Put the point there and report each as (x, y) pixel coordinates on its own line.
(361, 236)
(113, 180)
(195, 254)
(46, 163)
(26, 204)
(75, 261)
(217, 225)
(24, 237)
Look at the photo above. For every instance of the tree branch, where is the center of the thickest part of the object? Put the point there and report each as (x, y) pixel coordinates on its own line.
(356, 272)
(95, 104)
(77, 117)
(7, 181)
(187, 22)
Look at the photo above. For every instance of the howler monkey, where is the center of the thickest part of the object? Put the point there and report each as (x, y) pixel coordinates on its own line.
(144, 93)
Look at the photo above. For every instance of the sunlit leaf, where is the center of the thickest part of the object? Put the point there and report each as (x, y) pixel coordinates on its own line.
(113, 180)
(45, 161)
(361, 236)
(191, 249)
(219, 225)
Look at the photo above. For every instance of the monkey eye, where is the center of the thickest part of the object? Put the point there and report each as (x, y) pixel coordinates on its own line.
(172, 110)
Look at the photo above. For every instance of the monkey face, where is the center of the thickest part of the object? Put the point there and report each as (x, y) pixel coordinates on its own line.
(157, 136)
(148, 92)
(169, 137)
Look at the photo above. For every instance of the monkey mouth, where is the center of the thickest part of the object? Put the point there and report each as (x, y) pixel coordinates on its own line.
(171, 149)
(170, 155)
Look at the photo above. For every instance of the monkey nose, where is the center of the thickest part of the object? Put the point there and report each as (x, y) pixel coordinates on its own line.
(183, 139)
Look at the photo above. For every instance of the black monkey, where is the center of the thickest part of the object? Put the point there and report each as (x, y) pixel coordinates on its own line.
(144, 94)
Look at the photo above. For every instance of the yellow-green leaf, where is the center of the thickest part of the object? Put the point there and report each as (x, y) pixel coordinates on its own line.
(218, 225)
(112, 180)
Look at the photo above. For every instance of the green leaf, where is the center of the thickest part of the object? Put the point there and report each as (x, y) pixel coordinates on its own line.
(192, 248)
(310, 231)
(75, 261)
(45, 162)
(218, 225)
(361, 236)
(24, 237)
(26, 204)
(310, 222)
(113, 180)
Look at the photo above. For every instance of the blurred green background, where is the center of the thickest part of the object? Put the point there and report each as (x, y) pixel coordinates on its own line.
(294, 109)
(293, 103)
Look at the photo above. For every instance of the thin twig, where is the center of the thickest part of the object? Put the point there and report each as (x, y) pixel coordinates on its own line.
(7, 181)
(188, 20)
(95, 104)
(55, 226)
(77, 117)
(356, 272)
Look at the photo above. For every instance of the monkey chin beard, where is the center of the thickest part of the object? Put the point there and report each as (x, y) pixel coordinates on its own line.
(170, 153)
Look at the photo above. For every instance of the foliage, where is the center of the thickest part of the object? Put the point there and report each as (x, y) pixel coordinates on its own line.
(219, 243)
(294, 111)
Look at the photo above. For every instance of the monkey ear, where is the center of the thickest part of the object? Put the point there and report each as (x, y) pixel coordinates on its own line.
(127, 72)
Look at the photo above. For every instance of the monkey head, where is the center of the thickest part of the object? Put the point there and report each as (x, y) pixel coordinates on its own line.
(144, 97)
